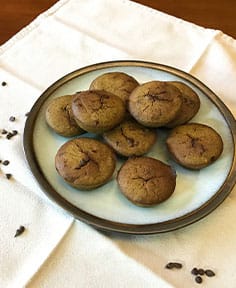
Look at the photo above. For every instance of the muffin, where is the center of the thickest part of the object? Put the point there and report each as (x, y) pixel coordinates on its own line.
(60, 118)
(155, 103)
(190, 106)
(194, 145)
(97, 111)
(85, 163)
(146, 181)
(118, 83)
(130, 138)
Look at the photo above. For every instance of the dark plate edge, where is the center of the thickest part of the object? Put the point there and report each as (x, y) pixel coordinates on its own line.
(107, 225)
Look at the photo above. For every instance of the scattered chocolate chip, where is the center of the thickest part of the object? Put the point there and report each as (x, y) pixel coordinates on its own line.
(209, 273)
(178, 265)
(14, 132)
(198, 279)
(4, 131)
(19, 231)
(169, 265)
(9, 135)
(5, 162)
(27, 114)
(4, 83)
(201, 271)
(194, 271)
(172, 265)
(12, 118)
(8, 176)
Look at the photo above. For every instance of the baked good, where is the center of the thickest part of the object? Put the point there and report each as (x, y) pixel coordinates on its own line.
(189, 107)
(97, 111)
(130, 138)
(194, 145)
(85, 163)
(146, 181)
(60, 118)
(118, 83)
(155, 103)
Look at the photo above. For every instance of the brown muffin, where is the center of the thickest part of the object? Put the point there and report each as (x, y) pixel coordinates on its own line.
(146, 181)
(194, 145)
(190, 106)
(155, 103)
(118, 83)
(97, 111)
(85, 163)
(60, 118)
(130, 138)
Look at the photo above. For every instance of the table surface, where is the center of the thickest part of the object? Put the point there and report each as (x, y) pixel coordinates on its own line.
(216, 14)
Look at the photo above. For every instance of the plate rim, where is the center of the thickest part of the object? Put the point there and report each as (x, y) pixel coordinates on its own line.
(109, 225)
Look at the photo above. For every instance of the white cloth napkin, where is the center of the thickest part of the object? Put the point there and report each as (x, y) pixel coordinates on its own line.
(56, 251)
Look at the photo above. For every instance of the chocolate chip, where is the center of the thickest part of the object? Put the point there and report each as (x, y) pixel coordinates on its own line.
(19, 231)
(27, 114)
(169, 265)
(210, 273)
(201, 271)
(12, 118)
(14, 132)
(178, 265)
(9, 135)
(5, 162)
(4, 83)
(198, 279)
(4, 131)
(194, 271)
(172, 265)
(8, 176)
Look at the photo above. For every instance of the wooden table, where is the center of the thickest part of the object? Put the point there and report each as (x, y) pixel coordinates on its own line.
(15, 14)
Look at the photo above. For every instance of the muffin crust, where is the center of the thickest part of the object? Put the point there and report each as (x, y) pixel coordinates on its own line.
(131, 138)
(60, 118)
(194, 145)
(155, 103)
(97, 111)
(118, 83)
(189, 107)
(85, 163)
(146, 181)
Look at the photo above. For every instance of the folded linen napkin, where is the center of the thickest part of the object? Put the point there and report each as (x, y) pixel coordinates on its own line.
(72, 34)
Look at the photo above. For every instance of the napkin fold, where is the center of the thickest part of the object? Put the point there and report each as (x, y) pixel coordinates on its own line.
(54, 250)
(22, 202)
(96, 262)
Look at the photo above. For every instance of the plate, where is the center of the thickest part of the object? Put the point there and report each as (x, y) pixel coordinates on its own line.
(197, 193)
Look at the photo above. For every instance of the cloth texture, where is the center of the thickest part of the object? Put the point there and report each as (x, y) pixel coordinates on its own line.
(55, 250)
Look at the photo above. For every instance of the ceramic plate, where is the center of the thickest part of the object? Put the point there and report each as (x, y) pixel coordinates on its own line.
(197, 193)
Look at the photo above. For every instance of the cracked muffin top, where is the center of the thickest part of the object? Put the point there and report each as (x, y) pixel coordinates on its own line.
(190, 105)
(130, 138)
(194, 145)
(146, 181)
(155, 103)
(118, 83)
(60, 118)
(85, 163)
(97, 111)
